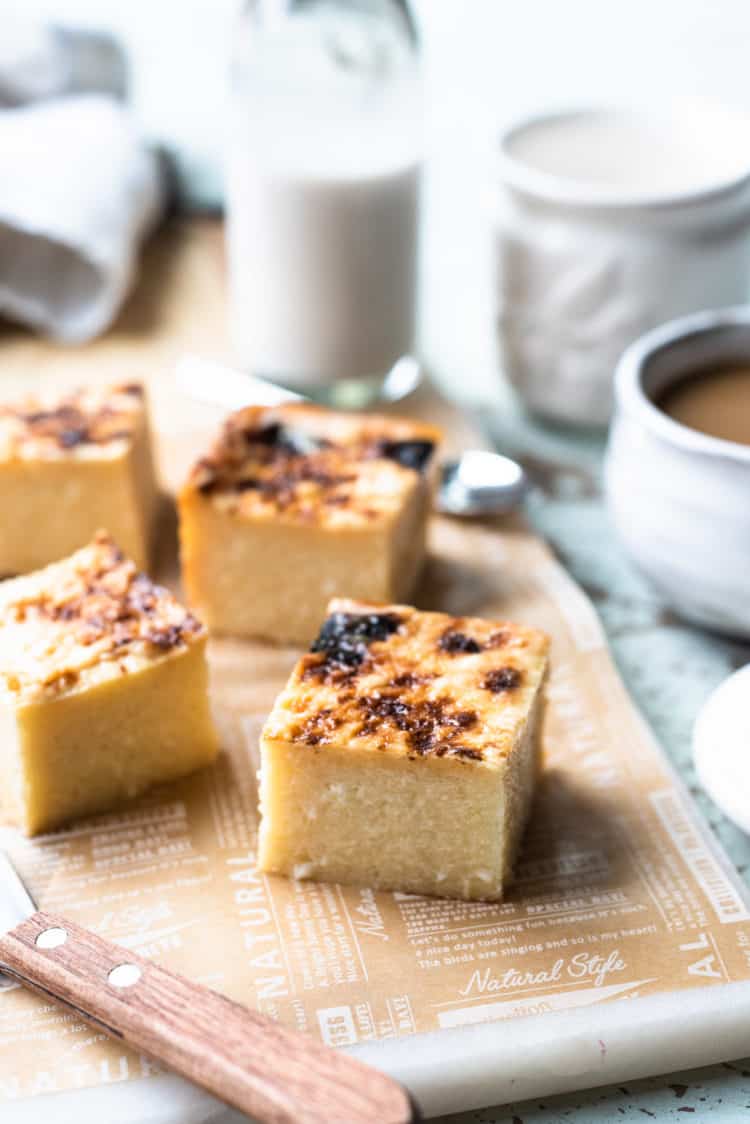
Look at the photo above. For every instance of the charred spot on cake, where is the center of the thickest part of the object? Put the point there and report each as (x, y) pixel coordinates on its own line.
(502, 679)
(318, 728)
(265, 434)
(431, 726)
(143, 594)
(445, 749)
(75, 421)
(318, 669)
(77, 435)
(457, 643)
(66, 425)
(284, 439)
(390, 707)
(133, 388)
(345, 638)
(165, 638)
(111, 603)
(282, 482)
(247, 484)
(409, 679)
(282, 485)
(268, 458)
(36, 417)
(409, 454)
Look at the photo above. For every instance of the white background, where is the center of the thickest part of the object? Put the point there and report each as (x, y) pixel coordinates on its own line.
(486, 60)
(503, 54)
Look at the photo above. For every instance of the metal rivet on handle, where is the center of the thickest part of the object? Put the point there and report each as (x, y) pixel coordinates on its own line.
(124, 975)
(51, 938)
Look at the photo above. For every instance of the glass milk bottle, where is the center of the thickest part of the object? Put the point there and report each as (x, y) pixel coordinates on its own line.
(323, 178)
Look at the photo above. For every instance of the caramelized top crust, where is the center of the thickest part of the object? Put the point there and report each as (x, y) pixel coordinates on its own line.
(90, 617)
(85, 424)
(305, 464)
(394, 680)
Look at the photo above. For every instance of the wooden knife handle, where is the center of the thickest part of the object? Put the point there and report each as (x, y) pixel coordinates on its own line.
(276, 1075)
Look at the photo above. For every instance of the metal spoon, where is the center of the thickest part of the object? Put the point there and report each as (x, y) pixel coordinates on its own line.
(478, 483)
(481, 483)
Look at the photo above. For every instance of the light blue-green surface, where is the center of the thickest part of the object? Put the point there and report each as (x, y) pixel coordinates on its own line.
(670, 669)
(719, 1094)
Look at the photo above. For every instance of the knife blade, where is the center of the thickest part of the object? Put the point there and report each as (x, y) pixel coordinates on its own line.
(216, 384)
(275, 1075)
(16, 904)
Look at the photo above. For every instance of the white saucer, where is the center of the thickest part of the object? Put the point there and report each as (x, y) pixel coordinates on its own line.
(721, 747)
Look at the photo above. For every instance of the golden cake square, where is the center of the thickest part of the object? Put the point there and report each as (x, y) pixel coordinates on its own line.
(296, 504)
(69, 465)
(403, 752)
(103, 688)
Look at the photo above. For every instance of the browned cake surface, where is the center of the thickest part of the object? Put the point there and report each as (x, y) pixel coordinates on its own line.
(91, 422)
(306, 464)
(394, 680)
(90, 615)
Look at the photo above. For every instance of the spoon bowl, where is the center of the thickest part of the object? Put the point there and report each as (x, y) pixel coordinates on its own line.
(481, 483)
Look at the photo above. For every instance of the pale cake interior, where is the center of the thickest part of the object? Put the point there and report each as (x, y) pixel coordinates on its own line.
(103, 688)
(274, 580)
(442, 828)
(93, 749)
(411, 764)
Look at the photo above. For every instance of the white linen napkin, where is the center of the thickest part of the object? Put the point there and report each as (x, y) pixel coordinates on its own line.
(78, 192)
(39, 60)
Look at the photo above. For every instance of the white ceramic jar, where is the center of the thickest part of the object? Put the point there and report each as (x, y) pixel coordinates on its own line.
(679, 499)
(611, 222)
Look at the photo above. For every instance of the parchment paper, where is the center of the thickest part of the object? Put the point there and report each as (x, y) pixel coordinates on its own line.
(619, 893)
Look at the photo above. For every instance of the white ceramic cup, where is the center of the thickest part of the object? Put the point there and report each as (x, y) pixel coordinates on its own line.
(585, 266)
(679, 499)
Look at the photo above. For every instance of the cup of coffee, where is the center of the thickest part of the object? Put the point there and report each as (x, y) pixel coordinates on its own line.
(677, 470)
